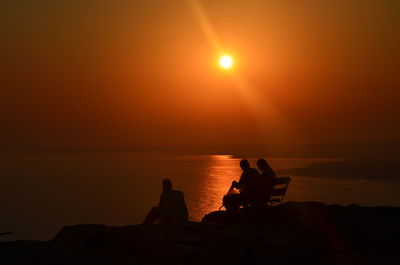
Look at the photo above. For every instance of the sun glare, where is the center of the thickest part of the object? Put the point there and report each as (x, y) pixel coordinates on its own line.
(226, 61)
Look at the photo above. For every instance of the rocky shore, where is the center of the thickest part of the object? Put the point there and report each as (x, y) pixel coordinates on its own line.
(291, 233)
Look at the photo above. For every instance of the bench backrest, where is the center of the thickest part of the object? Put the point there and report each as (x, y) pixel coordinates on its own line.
(280, 187)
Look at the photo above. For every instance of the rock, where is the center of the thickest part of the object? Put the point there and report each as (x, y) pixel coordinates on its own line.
(291, 233)
(81, 236)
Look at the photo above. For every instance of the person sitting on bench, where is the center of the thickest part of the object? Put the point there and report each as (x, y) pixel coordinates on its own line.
(247, 185)
(268, 178)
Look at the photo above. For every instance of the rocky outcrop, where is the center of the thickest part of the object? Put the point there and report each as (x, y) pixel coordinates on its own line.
(291, 233)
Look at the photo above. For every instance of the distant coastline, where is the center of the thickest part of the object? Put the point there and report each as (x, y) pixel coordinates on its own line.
(342, 150)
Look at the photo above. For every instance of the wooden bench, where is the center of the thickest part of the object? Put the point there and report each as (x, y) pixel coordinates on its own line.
(279, 191)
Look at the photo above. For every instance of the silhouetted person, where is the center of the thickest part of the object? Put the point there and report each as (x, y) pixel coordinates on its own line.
(265, 169)
(268, 177)
(249, 179)
(171, 208)
(247, 185)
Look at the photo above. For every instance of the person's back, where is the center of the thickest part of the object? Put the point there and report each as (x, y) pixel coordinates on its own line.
(268, 177)
(173, 207)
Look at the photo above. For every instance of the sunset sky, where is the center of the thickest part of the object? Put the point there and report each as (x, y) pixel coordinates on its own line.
(132, 73)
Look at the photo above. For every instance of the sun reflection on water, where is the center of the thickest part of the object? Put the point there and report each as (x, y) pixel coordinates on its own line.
(218, 174)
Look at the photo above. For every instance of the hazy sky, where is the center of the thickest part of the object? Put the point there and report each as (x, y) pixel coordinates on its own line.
(126, 73)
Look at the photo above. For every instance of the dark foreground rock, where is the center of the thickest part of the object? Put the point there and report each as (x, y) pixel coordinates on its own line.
(292, 233)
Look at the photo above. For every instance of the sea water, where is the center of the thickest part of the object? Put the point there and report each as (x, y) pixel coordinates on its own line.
(42, 193)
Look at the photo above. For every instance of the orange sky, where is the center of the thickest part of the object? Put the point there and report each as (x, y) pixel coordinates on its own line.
(126, 73)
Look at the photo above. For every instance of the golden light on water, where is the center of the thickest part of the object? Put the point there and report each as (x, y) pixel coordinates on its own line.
(226, 61)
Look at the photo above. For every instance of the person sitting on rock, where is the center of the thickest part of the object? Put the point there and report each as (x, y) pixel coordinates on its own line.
(268, 178)
(171, 208)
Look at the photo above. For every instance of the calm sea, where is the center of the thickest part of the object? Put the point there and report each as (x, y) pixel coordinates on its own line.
(42, 193)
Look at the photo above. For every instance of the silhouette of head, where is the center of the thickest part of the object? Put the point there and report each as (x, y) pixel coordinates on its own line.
(167, 185)
(262, 164)
(244, 164)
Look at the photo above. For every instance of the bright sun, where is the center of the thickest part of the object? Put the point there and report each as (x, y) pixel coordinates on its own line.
(226, 61)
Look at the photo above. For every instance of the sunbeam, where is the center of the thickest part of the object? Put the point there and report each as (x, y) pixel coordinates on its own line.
(269, 120)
